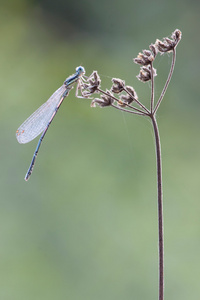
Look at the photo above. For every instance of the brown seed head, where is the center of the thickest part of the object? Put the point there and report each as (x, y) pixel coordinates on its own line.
(94, 82)
(145, 74)
(167, 44)
(129, 97)
(118, 85)
(147, 57)
(105, 100)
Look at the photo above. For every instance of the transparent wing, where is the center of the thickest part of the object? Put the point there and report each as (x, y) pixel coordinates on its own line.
(38, 121)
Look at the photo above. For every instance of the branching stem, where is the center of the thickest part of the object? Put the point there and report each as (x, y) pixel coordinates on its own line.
(129, 111)
(114, 98)
(167, 81)
(147, 72)
(137, 101)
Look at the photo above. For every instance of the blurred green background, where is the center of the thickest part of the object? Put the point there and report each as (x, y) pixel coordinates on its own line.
(85, 225)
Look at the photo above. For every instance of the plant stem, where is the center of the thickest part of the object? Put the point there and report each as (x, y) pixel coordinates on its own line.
(116, 99)
(160, 208)
(152, 87)
(129, 111)
(167, 82)
(137, 101)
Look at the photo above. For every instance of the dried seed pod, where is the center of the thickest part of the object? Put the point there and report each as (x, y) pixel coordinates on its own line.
(167, 44)
(129, 97)
(145, 74)
(147, 57)
(105, 100)
(118, 85)
(94, 82)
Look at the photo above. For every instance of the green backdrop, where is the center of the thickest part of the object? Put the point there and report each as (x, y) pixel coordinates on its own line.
(85, 225)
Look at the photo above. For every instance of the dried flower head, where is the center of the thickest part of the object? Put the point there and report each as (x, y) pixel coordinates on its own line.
(93, 83)
(129, 97)
(169, 44)
(145, 74)
(118, 85)
(147, 57)
(105, 100)
(154, 50)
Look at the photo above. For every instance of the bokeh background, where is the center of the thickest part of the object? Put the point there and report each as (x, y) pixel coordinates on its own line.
(85, 225)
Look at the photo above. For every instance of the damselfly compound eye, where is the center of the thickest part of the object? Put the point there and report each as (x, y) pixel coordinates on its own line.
(80, 70)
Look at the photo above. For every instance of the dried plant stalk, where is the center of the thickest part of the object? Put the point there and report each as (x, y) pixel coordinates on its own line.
(127, 100)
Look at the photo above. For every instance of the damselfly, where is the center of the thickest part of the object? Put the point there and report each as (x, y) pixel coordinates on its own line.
(41, 119)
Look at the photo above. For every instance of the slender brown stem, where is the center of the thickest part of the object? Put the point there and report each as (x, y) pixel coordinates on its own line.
(114, 98)
(138, 102)
(160, 208)
(167, 81)
(129, 111)
(152, 87)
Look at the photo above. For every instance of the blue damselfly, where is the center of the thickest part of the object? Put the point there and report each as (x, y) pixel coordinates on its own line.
(41, 119)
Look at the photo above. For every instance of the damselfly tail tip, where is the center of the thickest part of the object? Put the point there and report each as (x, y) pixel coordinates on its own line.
(26, 178)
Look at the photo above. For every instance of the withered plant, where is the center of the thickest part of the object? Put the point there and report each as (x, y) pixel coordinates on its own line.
(124, 98)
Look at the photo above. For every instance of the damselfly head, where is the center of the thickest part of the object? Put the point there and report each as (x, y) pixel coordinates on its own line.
(80, 70)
